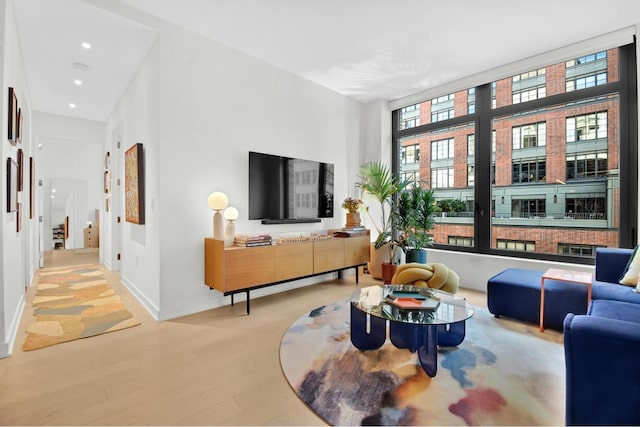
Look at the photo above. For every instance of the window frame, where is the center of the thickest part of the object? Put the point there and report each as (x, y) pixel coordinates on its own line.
(485, 113)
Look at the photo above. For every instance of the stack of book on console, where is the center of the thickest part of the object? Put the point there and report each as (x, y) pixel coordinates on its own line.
(351, 231)
(413, 301)
(248, 241)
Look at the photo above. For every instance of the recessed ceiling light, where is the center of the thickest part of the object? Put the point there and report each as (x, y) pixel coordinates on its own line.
(53, 190)
(53, 197)
(86, 45)
(78, 82)
(72, 105)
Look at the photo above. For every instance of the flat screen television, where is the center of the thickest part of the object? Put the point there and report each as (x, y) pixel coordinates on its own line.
(285, 190)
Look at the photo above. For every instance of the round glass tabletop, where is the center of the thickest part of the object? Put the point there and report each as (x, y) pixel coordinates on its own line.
(425, 306)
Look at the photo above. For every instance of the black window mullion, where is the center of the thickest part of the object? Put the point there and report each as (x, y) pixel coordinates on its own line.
(628, 147)
(482, 187)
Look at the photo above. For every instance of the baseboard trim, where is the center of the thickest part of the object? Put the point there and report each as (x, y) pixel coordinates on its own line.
(141, 297)
(6, 348)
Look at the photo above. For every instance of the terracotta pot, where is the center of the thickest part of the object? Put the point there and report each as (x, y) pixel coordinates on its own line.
(376, 258)
(388, 270)
(353, 219)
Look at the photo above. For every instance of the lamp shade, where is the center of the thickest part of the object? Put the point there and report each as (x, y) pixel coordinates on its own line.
(231, 214)
(218, 201)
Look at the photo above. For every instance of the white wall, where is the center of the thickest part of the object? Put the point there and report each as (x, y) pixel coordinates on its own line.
(16, 261)
(199, 108)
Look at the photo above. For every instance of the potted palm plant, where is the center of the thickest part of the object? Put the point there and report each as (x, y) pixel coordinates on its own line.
(377, 181)
(413, 215)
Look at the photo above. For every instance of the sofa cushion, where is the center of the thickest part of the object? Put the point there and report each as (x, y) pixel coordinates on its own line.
(613, 291)
(632, 270)
(617, 310)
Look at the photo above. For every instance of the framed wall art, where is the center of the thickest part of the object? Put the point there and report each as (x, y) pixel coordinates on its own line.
(20, 170)
(12, 121)
(134, 184)
(12, 185)
(32, 187)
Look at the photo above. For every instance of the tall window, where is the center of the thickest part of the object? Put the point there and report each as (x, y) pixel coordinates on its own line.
(545, 179)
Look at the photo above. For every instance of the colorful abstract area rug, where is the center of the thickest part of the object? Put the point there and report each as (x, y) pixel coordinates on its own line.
(503, 373)
(74, 302)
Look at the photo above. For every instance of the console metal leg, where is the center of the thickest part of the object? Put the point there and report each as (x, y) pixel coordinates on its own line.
(232, 299)
(362, 339)
(357, 274)
(248, 303)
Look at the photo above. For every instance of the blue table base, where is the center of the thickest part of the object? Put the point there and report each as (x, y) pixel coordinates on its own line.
(370, 332)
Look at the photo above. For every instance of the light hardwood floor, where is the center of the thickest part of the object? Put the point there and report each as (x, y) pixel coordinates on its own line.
(218, 367)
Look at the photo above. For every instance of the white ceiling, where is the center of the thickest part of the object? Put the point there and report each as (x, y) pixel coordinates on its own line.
(365, 49)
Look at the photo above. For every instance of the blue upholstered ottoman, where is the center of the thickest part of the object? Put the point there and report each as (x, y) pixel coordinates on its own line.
(515, 293)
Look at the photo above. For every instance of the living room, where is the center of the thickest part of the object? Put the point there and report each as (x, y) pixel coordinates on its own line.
(198, 107)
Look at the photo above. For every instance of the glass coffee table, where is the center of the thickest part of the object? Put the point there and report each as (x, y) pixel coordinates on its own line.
(419, 330)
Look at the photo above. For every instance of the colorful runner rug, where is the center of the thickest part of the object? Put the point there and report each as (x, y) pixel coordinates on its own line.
(74, 302)
(504, 373)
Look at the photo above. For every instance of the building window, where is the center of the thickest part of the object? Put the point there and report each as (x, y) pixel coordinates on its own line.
(460, 241)
(586, 71)
(442, 108)
(527, 136)
(442, 178)
(592, 208)
(586, 127)
(528, 171)
(410, 154)
(471, 100)
(587, 166)
(471, 169)
(410, 116)
(516, 245)
(471, 145)
(528, 86)
(442, 149)
(528, 208)
(575, 249)
(411, 176)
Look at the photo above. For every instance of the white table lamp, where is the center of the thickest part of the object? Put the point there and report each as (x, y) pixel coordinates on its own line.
(217, 202)
(231, 215)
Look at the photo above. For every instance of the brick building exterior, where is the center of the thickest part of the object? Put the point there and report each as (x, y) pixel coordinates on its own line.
(555, 186)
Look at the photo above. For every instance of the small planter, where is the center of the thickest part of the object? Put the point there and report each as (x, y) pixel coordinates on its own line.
(417, 255)
(388, 270)
(353, 219)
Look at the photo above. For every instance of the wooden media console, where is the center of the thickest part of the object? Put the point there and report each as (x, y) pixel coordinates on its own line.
(238, 269)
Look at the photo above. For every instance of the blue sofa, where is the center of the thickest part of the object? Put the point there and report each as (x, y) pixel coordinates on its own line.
(602, 349)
